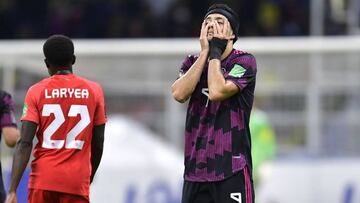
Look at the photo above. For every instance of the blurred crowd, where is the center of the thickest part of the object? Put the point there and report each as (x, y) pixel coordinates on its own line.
(147, 18)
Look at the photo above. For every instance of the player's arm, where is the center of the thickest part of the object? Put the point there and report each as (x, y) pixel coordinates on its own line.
(7, 120)
(183, 87)
(219, 88)
(11, 135)
(22, 154)
(97, 144)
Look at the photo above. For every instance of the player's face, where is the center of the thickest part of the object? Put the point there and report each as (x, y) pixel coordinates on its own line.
(211, 19)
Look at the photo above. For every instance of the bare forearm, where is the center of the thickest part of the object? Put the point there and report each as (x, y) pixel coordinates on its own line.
(11, 135)
(95, 161)
(97, 145)
(185, 85)
(20, 160)
(216, 80)
(219, 87)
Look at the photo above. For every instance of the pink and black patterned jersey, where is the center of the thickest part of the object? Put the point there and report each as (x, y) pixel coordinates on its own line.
(7, 119)
(217, 135)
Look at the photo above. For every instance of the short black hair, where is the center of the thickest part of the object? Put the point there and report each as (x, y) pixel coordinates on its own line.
(59, 50)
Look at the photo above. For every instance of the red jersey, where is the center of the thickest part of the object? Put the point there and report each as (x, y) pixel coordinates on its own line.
(65, 107)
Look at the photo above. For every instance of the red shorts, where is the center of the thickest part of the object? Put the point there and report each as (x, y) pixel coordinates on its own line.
(46, 196)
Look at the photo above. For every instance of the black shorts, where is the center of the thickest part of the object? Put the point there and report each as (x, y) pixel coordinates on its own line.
(237, 188)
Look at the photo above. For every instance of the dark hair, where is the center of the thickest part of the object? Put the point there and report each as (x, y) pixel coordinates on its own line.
(59, 50)
(229, 13)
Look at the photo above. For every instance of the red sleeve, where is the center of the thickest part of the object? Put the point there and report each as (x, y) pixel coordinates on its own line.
(30, 110)
(100, 114)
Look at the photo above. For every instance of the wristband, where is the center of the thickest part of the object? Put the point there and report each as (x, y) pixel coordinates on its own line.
(217, 47)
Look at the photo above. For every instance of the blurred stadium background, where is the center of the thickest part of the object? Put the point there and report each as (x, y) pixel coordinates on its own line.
(308, 84)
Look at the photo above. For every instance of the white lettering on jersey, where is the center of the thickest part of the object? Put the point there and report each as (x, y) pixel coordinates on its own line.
(236, 196)
(205, 91)
(70, 142)
(67, 93)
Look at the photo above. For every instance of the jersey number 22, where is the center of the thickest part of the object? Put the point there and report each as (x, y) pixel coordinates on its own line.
(70, 142)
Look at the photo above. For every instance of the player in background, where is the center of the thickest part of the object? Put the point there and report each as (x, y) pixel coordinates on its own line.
(263, 141)
(220, 83)
(67, 115)
(8, 129)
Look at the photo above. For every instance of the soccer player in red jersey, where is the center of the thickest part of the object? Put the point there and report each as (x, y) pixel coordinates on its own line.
(67, 115)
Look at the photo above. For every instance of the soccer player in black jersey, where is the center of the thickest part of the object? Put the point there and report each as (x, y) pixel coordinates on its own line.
(8, 129)
(220, 83)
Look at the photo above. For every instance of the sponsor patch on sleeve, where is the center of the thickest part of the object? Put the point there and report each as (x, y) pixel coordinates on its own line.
(237, 71)
(25, 109)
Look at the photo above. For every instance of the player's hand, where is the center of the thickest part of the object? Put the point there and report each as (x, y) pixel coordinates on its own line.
(204, 43)
(11, 198)
(224, 33)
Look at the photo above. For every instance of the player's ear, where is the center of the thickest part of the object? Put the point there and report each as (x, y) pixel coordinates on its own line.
(231, 33)
(74, 59)
(47, 63)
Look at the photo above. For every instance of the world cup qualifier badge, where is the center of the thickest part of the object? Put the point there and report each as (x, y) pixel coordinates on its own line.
(25, 109)
(237, 71)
